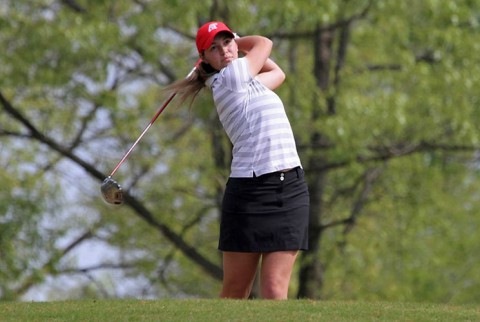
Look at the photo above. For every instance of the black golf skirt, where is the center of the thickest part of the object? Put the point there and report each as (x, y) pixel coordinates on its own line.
(265, 214)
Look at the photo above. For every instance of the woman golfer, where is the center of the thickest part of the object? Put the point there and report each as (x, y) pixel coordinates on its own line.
(265, 207)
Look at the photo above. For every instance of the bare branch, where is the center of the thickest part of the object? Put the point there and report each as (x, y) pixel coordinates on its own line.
(48, 267)
(331, 27)
(13, 134)
(188, 250)
(73, 5)
(367, 179)
(35, 134)
(98, 267)
(395, 151)
(84, 122)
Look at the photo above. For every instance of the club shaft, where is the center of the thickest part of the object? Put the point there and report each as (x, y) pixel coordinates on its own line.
(160, 110)
(143, 133)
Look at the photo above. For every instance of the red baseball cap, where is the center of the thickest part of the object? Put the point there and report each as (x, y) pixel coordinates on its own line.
(207, 33)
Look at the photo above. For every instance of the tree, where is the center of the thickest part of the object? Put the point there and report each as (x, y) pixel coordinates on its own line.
(387, 144)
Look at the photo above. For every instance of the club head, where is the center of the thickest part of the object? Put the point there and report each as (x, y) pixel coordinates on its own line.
(112, 191)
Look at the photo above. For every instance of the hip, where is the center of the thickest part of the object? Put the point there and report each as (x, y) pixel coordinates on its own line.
(272, 192)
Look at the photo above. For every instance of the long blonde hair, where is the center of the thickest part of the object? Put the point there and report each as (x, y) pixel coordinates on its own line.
(192, 85)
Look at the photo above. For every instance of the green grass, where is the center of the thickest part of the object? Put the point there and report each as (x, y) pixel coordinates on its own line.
(232, 310)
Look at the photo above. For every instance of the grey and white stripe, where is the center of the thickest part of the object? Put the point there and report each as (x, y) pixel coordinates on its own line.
(254, 119)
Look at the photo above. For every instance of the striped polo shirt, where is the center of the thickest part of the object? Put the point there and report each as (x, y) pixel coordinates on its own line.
(255, 121)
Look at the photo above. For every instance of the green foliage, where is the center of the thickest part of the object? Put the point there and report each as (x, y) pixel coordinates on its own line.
(23, 243)
(420, 250)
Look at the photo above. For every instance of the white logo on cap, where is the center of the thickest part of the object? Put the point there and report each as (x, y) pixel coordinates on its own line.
(212, 26)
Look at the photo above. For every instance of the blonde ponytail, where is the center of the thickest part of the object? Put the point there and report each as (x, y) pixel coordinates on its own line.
(191, 86)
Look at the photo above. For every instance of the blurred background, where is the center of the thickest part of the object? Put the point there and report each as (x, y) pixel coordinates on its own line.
(383, 98)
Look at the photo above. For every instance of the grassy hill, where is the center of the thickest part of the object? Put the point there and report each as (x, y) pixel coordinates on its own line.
(232, 310)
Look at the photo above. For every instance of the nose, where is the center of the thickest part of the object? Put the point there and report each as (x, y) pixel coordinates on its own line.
(223, 49)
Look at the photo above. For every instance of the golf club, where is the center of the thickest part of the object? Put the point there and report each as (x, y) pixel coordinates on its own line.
(111, 190)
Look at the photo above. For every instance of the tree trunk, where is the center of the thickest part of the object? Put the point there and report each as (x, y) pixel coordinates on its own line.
(311, 267)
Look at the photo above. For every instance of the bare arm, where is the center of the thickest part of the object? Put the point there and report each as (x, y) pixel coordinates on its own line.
(257, 49)
(271, 75)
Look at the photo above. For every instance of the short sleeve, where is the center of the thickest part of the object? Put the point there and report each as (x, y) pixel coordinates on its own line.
(236, 76)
